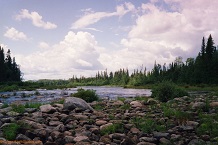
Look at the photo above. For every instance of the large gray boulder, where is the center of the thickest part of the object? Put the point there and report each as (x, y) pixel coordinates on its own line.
(71, 103)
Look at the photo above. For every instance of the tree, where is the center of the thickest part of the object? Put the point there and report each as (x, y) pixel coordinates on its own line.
(203, 48)
(210, 49)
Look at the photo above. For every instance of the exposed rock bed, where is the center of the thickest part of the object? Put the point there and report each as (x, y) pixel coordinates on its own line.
(126, 122)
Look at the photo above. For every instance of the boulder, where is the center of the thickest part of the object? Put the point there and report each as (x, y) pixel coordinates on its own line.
(47, 108)
(214, 104)
(71, 103)
(135, 104)
(198, 105)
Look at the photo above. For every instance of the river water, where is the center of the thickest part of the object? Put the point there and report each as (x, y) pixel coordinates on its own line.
(45, 96)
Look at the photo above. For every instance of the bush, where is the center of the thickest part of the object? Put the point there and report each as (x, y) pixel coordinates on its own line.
(87, 95)
(167, 90)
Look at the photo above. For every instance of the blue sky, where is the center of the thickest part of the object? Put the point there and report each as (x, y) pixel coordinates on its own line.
(57, 39)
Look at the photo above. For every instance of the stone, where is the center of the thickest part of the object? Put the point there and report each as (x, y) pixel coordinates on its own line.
(118, 136)
(81, 138)
(152, 101)
(134, 130)
(105, 139)
(54, 123)
(12, 113)
(145, 143)
(102, 127)
(68, 139)
(135, 104)
(198, 105)
(5, 110)
(164, 141)
(22, 137)
(196, 142)
(214, 104)
(80, 117)
(192, 123)
(1, 104)
(159, 135)
(47, 108)
(71, 103)
(30, 110)
(118, 103)
(148, 139)
(100, 122)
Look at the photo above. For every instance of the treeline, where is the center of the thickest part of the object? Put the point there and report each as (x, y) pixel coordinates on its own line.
(200, 70)
(9, 70)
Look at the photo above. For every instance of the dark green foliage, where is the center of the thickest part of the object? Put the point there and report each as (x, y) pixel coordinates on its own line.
(18, 108)
(166, 91)
(9, 71)
(87, 95)
(10, 131)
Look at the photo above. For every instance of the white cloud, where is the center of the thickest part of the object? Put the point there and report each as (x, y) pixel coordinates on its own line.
(43, 45)
(14, 34)
(91, 17)
(36, 19)
(76, 53)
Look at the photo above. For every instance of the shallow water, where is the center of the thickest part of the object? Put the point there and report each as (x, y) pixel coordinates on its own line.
(44, 96)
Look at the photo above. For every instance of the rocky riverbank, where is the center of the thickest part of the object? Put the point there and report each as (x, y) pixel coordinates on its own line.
(140, 121)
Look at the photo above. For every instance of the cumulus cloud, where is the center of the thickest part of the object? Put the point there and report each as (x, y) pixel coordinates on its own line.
(43, 45)
(35, 18)
(14, 34)
(76, 53)
(91, 17)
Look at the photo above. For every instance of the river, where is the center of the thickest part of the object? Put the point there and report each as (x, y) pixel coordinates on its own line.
(45, 96)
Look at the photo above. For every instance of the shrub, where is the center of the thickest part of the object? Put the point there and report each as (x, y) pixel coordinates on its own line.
(166, 91)
(10, 131)
(18, 108)
(87, 95)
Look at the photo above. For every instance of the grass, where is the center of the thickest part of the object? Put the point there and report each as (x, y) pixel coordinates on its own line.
(10, 131)
(117, 127)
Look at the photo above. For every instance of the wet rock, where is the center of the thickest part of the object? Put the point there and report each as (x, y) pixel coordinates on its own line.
(47, 108)
(71, 103)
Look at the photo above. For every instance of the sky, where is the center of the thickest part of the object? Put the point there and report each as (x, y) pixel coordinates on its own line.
(56, 39)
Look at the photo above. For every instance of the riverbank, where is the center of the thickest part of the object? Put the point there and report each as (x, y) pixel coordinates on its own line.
(139, 121)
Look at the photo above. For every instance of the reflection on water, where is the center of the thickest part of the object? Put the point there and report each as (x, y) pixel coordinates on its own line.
(44, 96)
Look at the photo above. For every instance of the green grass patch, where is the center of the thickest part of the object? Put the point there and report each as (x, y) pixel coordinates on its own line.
(115, 128)
(10, 131)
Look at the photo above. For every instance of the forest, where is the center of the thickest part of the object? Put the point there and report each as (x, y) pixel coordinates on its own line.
(200, 70)
(9, 70)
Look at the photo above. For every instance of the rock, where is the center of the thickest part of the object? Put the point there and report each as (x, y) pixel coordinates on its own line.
(145, 143)
(159, 135)
(105, 139)
(54, 123)
(214, 104)
(134, 130)
(135, 104)
(148, 139)
(5, 110)
(12, 113)
(80, 117)
(205, 137)
(71, 103)
(100, 122)
(68, 139)
(196, 142)
(192, 123)
(81, 138)
(118, 136)
(22, 137)
(164, 141)
(118, 103)
(1, 104)
(198, 105)
(102, 127)
(47, 108)
(152, 101)
(30, 110)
